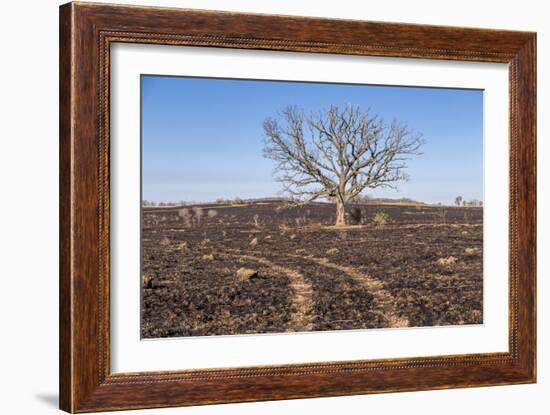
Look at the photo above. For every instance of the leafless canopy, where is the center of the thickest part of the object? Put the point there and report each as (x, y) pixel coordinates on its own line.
(337, 153)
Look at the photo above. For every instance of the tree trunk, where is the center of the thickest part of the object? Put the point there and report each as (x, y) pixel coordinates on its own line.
(340, 213)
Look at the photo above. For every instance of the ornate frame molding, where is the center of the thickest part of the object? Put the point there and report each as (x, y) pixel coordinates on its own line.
(87, 31)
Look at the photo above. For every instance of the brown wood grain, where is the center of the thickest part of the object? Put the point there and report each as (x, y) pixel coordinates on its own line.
(86, 33)
(65, 246)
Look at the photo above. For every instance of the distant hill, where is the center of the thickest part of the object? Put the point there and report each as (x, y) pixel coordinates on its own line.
(358, 201)
(387, 200)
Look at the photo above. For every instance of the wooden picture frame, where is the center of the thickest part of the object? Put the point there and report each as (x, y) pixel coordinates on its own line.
(86, 33)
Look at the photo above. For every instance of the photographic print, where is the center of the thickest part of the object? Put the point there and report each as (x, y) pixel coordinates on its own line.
(274, 206)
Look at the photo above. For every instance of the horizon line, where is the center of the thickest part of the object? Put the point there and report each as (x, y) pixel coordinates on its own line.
(364, 200)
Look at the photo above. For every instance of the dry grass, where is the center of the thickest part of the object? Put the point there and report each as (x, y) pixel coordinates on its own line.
(338, 227)
(146, 280)
(284, 228)
(244, 274)
(333, 251)
(450, 260)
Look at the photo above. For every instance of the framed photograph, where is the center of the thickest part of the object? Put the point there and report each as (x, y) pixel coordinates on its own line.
(259, 207)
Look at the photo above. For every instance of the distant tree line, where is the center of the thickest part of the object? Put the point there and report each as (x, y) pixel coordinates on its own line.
(460, 201)
(218, 201)
(366, 199)
(150, 203)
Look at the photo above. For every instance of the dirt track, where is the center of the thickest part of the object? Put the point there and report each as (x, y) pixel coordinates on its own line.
(422, 268)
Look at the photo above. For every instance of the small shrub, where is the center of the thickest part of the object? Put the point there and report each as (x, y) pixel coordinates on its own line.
(212, 213)
(380, 218)
(185, 215)
(198, 212)
(333, 251)
(165, 242)
(254, 242)
(302, 220)
(356, 215)
(256, 220)
(471, 251)
(209, 257)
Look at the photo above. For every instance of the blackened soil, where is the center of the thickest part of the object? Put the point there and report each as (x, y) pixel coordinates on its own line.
(426, 259)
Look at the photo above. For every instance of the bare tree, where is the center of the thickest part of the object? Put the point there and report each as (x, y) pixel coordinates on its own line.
(337, 153)
(458, 200)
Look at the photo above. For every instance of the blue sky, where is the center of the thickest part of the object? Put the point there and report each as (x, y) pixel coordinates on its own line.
(202, 138)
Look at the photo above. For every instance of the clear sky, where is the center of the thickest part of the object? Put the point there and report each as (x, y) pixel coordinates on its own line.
(202, 138)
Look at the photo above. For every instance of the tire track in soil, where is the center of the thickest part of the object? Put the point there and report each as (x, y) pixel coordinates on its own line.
(385, 304)
(301, 319)
(383, 299)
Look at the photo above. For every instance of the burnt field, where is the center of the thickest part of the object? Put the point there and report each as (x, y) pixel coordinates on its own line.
(237, 268)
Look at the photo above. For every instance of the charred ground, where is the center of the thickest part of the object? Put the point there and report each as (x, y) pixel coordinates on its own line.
(422, 267)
